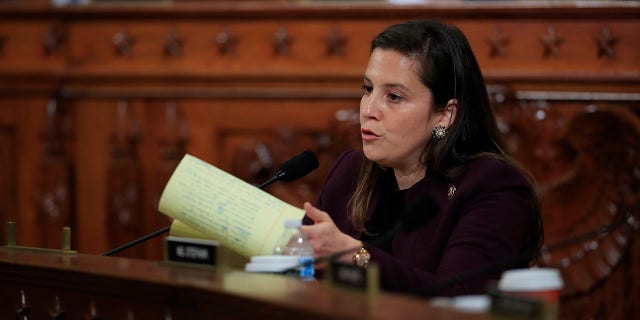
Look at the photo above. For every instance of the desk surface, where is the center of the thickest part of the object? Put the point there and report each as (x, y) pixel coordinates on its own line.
(120, 288)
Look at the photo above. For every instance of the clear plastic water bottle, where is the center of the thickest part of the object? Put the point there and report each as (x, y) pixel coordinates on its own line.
(294, 243)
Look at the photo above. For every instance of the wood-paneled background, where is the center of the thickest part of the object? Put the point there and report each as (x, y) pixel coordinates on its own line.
(98, 103)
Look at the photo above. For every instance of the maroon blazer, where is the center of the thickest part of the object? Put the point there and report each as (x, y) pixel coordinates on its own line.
(486, 219)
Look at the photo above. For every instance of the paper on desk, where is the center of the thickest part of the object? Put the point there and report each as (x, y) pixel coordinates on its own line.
(214, 203)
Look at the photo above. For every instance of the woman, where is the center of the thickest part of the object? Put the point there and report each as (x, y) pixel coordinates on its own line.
(432, 165)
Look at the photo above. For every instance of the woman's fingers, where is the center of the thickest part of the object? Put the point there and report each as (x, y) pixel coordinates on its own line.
(324, 235)
(315, 214)
(321, 234)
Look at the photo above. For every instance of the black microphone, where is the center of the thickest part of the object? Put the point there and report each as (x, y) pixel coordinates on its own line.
(292, 169)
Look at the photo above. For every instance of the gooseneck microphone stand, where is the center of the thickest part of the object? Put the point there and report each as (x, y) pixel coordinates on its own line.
(137, 241)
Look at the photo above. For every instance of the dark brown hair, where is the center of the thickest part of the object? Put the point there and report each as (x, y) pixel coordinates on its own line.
(450, 70)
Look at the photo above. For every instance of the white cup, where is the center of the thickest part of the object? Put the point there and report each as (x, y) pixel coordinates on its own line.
(543, 284)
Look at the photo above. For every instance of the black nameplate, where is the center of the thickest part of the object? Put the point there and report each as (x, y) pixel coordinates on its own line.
(353, 277)
(189, 250)
(349, 275)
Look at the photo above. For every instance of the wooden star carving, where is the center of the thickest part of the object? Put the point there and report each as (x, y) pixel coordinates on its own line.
(336, 43)
(122, 43)
(57, 312)
(498, 42)
(281, 42)
(606, 42)
(173, 44)
(551, 41)
(54, 39)
(226, 42)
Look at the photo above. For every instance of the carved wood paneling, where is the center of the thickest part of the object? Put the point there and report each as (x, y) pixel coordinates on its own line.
(8, 176)
(37, 47)
(246, 87)
(585, 156)
(125, 186)
(55, 195)
(170, 145)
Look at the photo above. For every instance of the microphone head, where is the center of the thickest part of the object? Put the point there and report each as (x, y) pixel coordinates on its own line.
(298, 166)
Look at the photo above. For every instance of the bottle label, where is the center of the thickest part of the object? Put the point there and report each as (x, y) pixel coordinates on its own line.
(307, 271)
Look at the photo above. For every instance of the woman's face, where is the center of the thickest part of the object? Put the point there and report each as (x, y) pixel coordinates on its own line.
(396, 113)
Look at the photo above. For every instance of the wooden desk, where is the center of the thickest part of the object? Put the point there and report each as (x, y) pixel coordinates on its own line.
(96, 287)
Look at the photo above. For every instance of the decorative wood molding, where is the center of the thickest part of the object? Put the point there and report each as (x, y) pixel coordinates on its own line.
(93, 314)
(606, 43)
(24, 309)
(285, 11)
(176, 133)
(256, 160)
(551, 42)
(585, 144)
(57, 312)
(281, 42)
(504, 45)
(336, 43)
(577, 96)
(159, 92)
(9, 173)
(125, 178)
(226, 42)
(55, 195)
(54, 39)
(123, 43)
(498, 43)
(173, 44)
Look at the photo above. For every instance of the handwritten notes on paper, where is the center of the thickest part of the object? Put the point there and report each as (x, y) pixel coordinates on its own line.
(217, 204)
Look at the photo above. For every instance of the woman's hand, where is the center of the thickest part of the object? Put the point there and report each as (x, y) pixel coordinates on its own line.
(324, 235)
